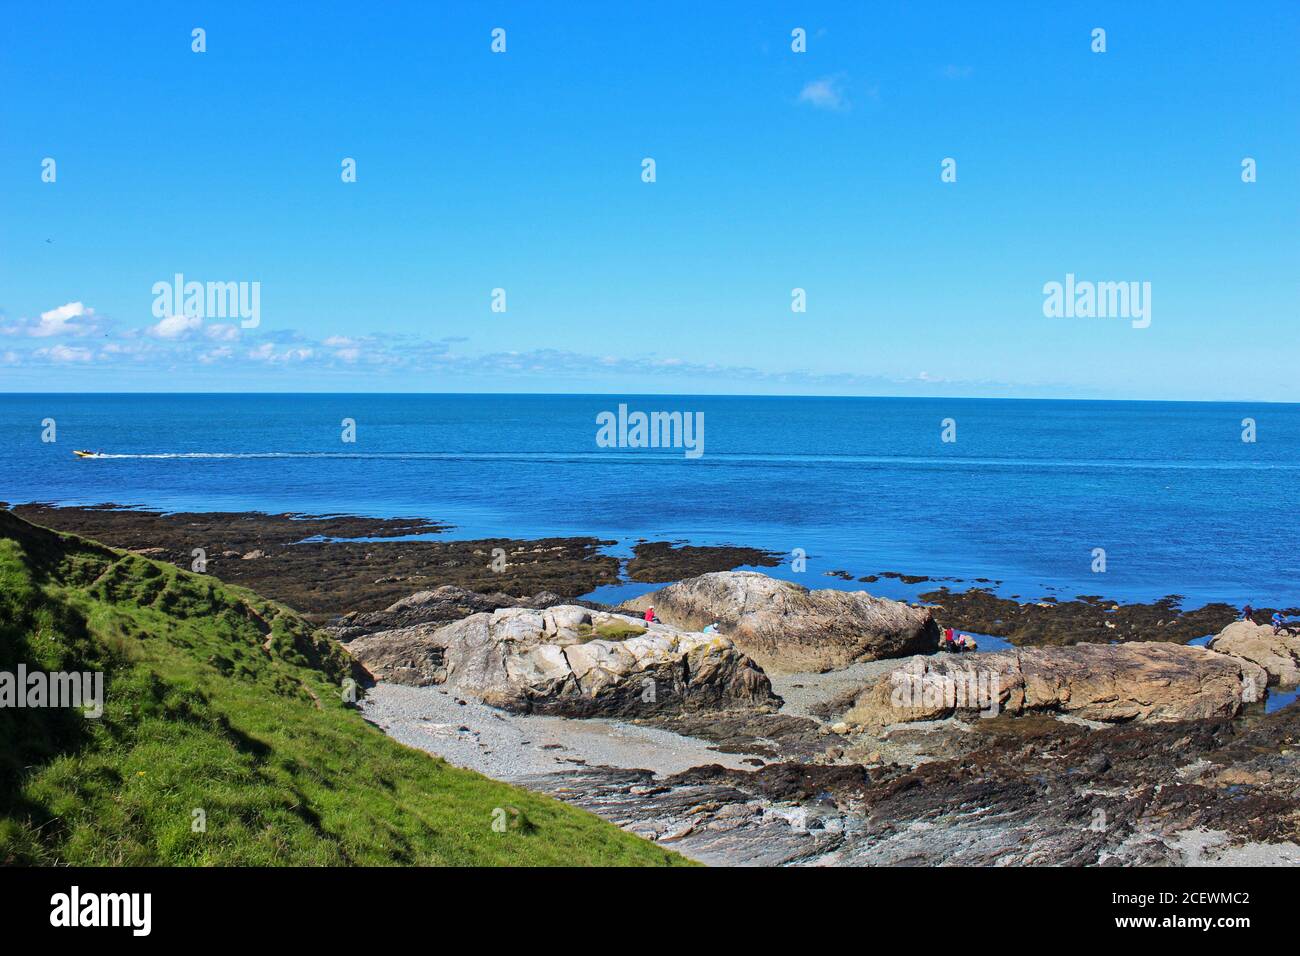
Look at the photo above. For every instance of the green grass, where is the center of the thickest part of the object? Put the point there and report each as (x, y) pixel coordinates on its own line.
(220, 701)
(609, 631)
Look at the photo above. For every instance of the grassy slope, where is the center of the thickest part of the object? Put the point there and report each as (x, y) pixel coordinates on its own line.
(222, 701)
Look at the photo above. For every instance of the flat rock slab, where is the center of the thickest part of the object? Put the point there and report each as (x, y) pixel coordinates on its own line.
(1099, 682)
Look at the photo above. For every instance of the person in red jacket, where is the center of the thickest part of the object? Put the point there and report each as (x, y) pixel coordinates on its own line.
(650, 615)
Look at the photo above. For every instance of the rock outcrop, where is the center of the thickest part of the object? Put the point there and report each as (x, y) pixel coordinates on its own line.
(787, 628)
(439, 606)
(1102, 682)
(570, 661)
(1278, 654)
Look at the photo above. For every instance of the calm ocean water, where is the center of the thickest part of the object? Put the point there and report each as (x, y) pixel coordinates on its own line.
(1171, 492)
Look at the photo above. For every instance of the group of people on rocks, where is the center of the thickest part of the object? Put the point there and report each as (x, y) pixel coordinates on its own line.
(650, 618)
(956, 643)
(1278, 621)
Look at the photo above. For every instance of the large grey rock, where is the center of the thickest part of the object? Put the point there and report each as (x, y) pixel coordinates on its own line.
(1103, 682)
(1278, 654)
(570, 661)
(787, 628)
(410, 655)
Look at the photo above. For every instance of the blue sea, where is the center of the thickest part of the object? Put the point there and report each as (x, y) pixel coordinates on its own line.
(1179, 503)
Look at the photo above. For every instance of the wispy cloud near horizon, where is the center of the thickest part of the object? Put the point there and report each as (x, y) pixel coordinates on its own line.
(204, 352)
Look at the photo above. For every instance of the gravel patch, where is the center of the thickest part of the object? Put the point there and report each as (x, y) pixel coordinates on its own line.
(802, 693)
(1204, 847)
(508, 746)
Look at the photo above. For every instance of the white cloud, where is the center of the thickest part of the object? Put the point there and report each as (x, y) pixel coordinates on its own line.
(74, 318)
(266, 353)
(824, 94)
(64, 353)
(175, 326)
(131, 348)
(63, 320)
(220, 332)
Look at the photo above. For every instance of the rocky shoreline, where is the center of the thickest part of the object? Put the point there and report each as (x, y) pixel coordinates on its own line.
(741, 789)
(1087, 618)
(815, 727)
(1143, 753)
(325, 566)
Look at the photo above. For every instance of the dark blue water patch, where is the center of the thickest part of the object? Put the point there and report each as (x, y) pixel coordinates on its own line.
(623, 550)
(1277, 699)
(614, 594)
(1202, 641)
(987, 642)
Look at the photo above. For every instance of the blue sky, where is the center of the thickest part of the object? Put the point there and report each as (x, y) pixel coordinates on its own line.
(775, 170)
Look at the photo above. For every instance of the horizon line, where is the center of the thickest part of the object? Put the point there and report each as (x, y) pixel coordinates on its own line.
(626, 394)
